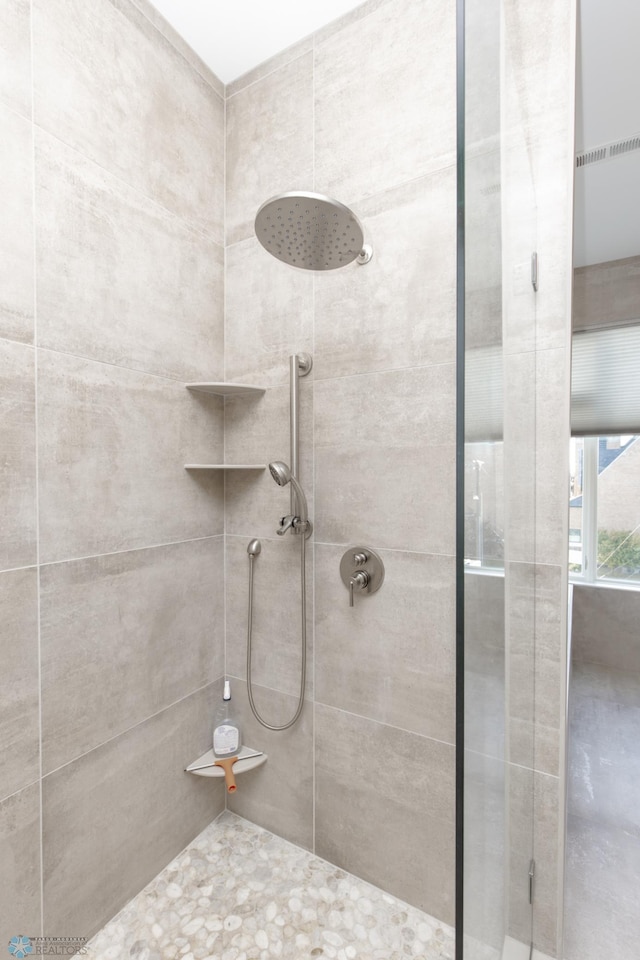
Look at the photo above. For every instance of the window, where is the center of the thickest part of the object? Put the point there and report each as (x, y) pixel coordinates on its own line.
(604, 509)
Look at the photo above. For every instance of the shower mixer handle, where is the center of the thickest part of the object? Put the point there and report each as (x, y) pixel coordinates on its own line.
(360, 579)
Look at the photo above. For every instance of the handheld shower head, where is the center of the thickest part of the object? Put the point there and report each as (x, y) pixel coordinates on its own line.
(280, 472)
(282, 475)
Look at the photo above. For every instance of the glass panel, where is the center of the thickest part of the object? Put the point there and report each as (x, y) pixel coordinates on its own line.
(619, 508)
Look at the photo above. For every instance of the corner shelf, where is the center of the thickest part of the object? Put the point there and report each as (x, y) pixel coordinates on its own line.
(243, 765)
(226, 389)
(225, 466)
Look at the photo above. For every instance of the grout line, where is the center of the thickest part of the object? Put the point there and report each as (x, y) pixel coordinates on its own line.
(37, 452)
(134, 726)
(160, 30)
(26, 786)
(269, 73)
(359, 716)
(345, 544)
(110, 363)
(117, 553)
(86, 158)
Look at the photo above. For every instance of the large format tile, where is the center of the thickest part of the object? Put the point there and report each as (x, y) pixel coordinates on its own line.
(484, 849)
(115, 817)
(18, 444)
(19, 707)
(269, 142)
(16, 228)
(601, 613)
(20, 864)
(604, 760)
(381, 119)
(398, 310)
(119, 278)
(277, 619)
(602, 882)
(268, 315)
(115, 634)
(279, 794)
(391, 657)
(110, 85)
(15, 55)
(113, 444)
(385, 803)
(384, 458)
(257, 431)
(534, 607)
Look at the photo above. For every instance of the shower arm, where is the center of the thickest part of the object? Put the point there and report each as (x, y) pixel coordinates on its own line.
(299, 366)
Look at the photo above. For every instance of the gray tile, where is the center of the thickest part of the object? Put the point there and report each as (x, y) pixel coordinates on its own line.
(269, 142)
(268, 315)
(484, 843)
(534, 608)
(19, 708)
(399, 310)
(15, 55)
(119, 278)
(380, 119)
(602, 882)
(257, 431)
(149, 11)
(384, 454)
(605, 614)
(277, 622)
(115, 817)
(604, 762)
(113, 87)
(385, 808)
(18, 443)
(113, 446)
(20, 864)
(535, 828)
(16, 228)
(118, 627)
(391, 657)
(279, 794)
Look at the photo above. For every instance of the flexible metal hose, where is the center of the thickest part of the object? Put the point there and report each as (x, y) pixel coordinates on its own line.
(303, 671)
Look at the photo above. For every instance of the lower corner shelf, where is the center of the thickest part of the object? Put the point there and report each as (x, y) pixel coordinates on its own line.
(248, 759)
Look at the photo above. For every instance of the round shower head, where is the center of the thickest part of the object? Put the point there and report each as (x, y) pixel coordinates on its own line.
(280, 472)
(311, 231)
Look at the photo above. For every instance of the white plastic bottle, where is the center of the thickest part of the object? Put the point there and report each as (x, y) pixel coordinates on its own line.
(226, 732)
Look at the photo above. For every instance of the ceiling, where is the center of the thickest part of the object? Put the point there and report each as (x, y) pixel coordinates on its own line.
(233, 36)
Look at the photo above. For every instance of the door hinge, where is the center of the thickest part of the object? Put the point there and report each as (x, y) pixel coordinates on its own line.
(532, 873)
(534, 271)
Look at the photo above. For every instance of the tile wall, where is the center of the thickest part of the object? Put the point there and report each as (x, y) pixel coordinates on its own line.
(112, 556)
(366, 779)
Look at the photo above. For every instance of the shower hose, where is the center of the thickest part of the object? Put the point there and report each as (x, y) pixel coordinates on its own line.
(303, 631)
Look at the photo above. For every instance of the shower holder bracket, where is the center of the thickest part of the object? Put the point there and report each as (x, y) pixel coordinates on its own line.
(305, 363)
(365, 254)
(362, 571)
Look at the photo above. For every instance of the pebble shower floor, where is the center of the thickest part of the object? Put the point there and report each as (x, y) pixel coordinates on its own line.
(240, 893)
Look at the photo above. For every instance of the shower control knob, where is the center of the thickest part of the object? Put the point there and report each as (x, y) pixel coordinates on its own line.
(368, 576)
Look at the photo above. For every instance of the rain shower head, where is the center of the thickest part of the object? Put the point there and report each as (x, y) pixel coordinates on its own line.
(311, 231)
(282, 475)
